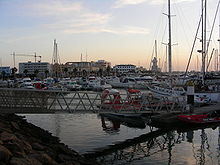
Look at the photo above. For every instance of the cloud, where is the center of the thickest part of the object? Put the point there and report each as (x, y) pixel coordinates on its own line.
(73, 17)
(121, 3)
(124, 30)
(159, 2)
(56, 7)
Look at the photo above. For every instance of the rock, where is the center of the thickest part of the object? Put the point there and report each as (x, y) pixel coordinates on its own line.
(44, 159)
(15, 125)
(64, 158)
(14, 147)
(5, 154)
(2, 163)
(70, 163)
(19, 154)
(37, 146)
(26, 146)
(24, 161)
(22, 143)
(6, 136)
(60, 148)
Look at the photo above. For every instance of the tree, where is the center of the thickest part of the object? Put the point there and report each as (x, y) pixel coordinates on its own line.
(65, 71)
(25, 72)
(100, 72)
(84, 73)
(108, 70)
(13, 71)
(46, 73)
(3, 74)
(75, 71)
(36, 72)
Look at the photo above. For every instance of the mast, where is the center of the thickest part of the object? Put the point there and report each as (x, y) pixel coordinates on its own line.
(156, 49)
(169, 42)
(204, 12)
(218, 56)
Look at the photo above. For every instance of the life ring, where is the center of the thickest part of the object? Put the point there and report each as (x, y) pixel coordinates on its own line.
(105, 93)
(150, 96)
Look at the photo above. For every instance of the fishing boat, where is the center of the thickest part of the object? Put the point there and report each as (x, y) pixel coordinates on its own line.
(211, 117)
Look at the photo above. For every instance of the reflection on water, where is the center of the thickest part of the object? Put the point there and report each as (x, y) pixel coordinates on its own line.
(112, 142)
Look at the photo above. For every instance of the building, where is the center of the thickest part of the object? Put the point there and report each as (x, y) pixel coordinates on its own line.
(124, 68)
(33, 67)
(5, 70)
(87, 66)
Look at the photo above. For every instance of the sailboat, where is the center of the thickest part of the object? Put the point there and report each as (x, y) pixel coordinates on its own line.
(167, 89)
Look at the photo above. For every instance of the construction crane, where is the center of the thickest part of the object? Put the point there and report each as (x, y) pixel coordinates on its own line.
(29, 55)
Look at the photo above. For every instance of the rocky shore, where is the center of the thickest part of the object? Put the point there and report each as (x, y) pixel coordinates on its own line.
(22, 143)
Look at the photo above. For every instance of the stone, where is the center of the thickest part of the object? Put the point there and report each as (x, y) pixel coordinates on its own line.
(2, 163)
(26, 146)
(65, 158)
(24, 161)
(6, 136)
(37, 146)
(15, 125)
(65, 150)
(70, 163)
(5, 154)
(14, 147)
(44, 158)
(19, 154)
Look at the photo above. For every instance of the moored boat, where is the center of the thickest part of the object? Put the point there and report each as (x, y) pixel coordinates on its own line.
(211, 117)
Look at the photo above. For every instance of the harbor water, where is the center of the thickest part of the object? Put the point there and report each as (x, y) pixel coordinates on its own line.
(86, 134)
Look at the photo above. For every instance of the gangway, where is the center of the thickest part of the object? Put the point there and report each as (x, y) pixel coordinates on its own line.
(14, 100)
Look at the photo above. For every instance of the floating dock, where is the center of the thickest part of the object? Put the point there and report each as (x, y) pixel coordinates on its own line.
(170, 119)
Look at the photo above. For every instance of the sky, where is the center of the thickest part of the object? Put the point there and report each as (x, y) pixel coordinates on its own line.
(118, 31)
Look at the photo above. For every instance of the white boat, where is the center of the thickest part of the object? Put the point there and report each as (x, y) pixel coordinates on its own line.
(98, 83)
(70, 85)
(27, 85)
(165, 90)
(130, 82)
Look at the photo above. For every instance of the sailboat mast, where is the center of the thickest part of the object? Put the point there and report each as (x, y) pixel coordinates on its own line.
(156, 49)
(218, 56)
(204, 13)
(169, 42)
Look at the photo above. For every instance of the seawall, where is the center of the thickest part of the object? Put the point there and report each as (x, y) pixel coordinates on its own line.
(22, 143)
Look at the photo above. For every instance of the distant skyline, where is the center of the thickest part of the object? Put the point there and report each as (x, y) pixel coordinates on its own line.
(119, 31)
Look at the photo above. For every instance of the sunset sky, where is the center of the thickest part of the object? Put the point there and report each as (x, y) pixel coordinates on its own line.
(119, 31)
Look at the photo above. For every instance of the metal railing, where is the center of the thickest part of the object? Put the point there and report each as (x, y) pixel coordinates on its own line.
(42, 101)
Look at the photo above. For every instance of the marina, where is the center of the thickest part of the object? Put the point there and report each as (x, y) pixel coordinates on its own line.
(116, 112)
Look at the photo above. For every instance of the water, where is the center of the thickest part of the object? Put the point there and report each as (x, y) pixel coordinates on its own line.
(85, 134)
